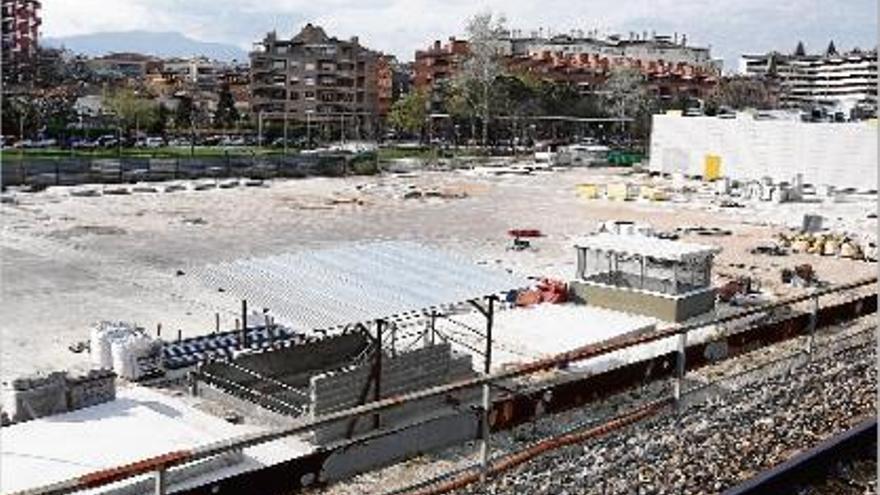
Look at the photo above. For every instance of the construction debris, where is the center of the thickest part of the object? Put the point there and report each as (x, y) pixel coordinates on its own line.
(827, 244)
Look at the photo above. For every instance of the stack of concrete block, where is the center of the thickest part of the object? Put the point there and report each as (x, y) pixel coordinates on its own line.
(95, 387)
(29, 398)
(415, 370)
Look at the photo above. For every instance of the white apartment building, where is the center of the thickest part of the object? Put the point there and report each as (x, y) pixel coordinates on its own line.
(647, 48)
(840, 82)
(196, 70)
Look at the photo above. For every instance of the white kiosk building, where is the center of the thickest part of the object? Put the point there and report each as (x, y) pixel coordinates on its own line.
(669, 280)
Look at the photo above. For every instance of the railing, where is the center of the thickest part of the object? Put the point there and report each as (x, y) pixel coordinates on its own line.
(160, 464)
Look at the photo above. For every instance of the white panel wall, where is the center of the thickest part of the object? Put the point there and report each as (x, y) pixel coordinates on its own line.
(841, 155)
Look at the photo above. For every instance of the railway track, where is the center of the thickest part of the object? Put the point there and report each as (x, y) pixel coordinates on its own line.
(819, 466)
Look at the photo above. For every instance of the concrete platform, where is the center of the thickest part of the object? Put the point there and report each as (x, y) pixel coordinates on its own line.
(525, 334)
(140, 423)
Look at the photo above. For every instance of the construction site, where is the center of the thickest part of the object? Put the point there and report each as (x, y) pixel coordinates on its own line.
(508, 325)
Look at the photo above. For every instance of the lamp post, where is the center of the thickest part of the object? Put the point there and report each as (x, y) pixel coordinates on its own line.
(309, 113)
(260, 129)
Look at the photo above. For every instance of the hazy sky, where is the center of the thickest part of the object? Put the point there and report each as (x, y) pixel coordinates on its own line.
(400, 26)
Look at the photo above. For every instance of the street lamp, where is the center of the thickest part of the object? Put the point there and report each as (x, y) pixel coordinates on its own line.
(260, 129)
(309, 113)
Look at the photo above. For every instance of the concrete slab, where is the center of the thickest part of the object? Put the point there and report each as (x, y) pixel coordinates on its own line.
(140, 423)
(525, 334)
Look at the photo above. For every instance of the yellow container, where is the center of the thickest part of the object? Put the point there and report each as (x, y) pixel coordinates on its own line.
(617, 192)
(712, 168)
(652, 193)
(588, 191)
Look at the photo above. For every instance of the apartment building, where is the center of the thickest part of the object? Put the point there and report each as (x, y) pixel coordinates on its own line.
(438, 63)
(644, 48)
(21, 29)
(589, 72)
(831, 80)
(323, 82)
(671, 66)
(133, 65)
(199, 71)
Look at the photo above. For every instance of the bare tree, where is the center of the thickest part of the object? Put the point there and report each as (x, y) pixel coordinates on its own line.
(625, 94)
(740, 93)
(483, 64)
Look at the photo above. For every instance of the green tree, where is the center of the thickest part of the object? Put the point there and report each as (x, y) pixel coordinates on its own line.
(132, 110)
(20, 116)
(408, 114)
(160, 122)
(185, 113)
(226, 114)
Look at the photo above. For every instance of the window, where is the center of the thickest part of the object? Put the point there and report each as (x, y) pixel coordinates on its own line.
(309, 81)
(279, 63)
(310, 95)
(310, 66)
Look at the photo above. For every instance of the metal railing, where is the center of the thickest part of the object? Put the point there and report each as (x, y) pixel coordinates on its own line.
(158, 465)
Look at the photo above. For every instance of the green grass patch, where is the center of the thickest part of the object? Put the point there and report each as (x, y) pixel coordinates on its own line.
(165, 152)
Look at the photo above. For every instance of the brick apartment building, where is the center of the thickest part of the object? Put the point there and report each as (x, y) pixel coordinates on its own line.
(438, 63)
(21, 30)
(313, 79)
(666, 80)
(585, 62)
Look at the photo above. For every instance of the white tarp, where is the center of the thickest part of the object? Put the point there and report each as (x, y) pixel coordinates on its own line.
(842, 155)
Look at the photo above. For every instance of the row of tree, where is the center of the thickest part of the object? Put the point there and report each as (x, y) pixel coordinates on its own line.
(127, 110)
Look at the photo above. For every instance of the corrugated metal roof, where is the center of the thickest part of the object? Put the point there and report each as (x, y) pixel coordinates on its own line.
(355, 283)
(653, 247)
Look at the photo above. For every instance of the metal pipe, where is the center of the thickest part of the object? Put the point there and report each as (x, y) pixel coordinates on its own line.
(814, 320)
(243, 340)
(510, 461)
(680, 367)
(377, 390)
(484, 413)
(159, 482)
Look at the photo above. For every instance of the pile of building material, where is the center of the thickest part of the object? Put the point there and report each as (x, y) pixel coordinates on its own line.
(622, 191)
(27, 398)
(829, 244)
(766, 190)
(126, 349)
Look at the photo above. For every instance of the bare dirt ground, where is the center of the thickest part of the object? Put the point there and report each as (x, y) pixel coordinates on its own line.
(70, 261)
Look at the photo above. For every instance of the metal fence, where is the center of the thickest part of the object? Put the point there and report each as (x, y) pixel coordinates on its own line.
(520, 407)
(66, 171)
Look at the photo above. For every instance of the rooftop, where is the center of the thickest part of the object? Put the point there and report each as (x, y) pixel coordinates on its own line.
(652, 247)
(356, 283)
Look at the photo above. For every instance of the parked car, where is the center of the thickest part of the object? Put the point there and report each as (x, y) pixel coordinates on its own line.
(83, 144)
(154, 142)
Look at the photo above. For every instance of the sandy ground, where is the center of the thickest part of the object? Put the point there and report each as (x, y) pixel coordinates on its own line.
(70, 261)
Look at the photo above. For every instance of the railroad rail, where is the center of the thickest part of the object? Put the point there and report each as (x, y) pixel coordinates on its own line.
(508, 411)
(814, 464)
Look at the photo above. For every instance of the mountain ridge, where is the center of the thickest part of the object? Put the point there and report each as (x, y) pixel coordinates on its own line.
(163, 44)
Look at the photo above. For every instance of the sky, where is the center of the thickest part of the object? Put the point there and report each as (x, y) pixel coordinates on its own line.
(729, 27)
